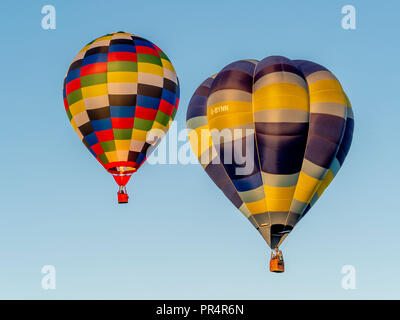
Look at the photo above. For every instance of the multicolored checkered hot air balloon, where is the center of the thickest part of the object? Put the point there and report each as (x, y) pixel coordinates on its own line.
(293, 123)
(121, 94)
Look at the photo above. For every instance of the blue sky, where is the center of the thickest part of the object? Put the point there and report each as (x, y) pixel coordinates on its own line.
(179, 238)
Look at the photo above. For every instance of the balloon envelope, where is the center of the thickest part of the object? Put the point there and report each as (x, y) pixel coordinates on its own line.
(271, 134)
(121, 93)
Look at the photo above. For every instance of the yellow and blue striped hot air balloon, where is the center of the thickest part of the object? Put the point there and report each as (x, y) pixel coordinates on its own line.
(293, 123)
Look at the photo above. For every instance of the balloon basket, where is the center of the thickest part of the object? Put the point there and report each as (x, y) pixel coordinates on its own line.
(122, 197)
(276, 263)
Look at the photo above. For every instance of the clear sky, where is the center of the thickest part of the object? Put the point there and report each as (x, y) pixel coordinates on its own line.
(179, 237)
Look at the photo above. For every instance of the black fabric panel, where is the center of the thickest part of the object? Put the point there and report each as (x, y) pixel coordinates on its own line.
(218, 175)
(149, 91)
(98, 114)
(241, 65)
(328, 126)
(138, 38)
(231, 193)
(232, 79)
(230, 154)
(145, 147)
(96, 50)
(170, 85)
(133, 155)
(308, 67)
(86, 129)
(121, 41)
(325, 134)
(202, 91)
(320, 151)
(86, 144)
(281, 154)
(75, 65)
(277, 68)
(346, 141)
(282, 128)
(197, 107)
(121, 100)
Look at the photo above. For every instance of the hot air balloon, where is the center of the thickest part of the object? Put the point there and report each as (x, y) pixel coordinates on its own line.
(121, 94)
(290, 120)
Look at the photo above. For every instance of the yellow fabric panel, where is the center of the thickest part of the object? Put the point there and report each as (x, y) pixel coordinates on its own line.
(158, 126)
(205, 139)
(281, 88)
(111, 156)
(279, 192)
(77, 107)
(199, 142)
(231, 120)
(281, 96)
(168, 65)
(84, 49)
(348, 103)
(74, 124)
(122, 144)
(325, 182)
(306, 186)
(168, 124)
(139, 135)
(275, 205)
(279, 198)
(122, 77)
(281, 102)
(95, 91)
(102, 39)
(327, 96)
(257, 206)
(150, 68)
(326, 91)
(122, 155)
(324, 85)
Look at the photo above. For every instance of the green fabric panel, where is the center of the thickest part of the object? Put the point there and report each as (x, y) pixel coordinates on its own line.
(69, 114)
(142, 124)
(103, 158)
(173, 114)
(163, 56)
(148, 58)
(122, 134)
(93, 79)
(162, 118)
(108, 145)
(122, 66)
(74, 97)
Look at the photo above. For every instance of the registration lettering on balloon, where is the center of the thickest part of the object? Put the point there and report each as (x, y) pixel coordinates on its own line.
(219, 109)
